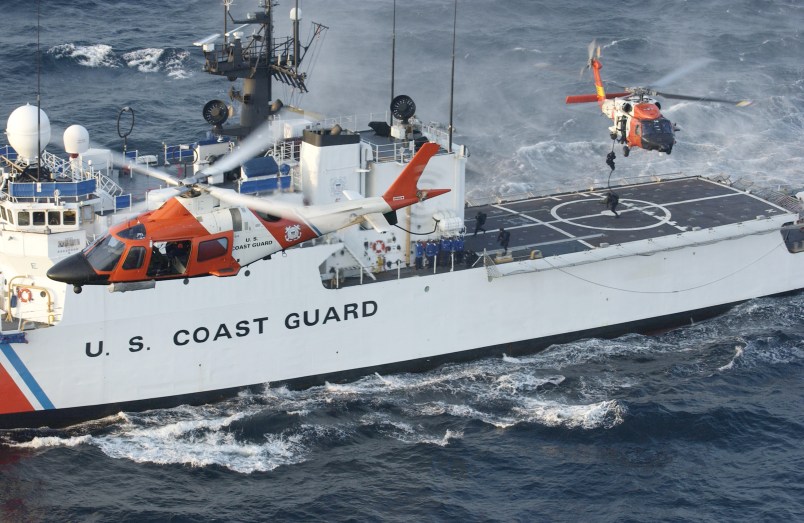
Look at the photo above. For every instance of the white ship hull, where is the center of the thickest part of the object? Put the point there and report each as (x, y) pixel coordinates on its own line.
(191, 342)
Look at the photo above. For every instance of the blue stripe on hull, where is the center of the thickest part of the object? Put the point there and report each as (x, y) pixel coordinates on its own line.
(26, 376)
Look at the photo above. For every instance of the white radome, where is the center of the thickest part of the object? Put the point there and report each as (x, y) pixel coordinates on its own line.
(295, 14)
(22, 131)
(76, 139)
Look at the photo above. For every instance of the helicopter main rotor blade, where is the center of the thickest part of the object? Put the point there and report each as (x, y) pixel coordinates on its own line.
(738, 103)
(121, 161)
(681, 72)
(255, 143)
(272, 207)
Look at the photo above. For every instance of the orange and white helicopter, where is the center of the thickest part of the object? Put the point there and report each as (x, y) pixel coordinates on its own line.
(636, 115)
(207, 230)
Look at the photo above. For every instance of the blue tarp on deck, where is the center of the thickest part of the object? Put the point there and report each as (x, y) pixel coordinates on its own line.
(265, 184)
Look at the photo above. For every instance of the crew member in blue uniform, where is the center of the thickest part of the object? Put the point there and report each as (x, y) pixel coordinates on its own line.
(457, 246)
(444, 250)
(419, 254)
(430, 251)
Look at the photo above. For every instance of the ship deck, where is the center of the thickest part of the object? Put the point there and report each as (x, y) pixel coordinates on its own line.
(571, 222)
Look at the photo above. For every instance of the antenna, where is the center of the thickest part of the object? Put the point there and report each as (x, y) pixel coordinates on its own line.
(38, 99)
(452, 75)
(296, 37)
(393, 58)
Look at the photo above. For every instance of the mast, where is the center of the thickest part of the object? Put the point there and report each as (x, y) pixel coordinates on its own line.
(38, 98)
(257, 60)
(452, 74)
(393, 59)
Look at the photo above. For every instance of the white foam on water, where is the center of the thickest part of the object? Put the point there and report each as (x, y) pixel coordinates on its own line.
(202, 442)
(144, 60)
(40, 442)
(738, 352)
(603, 414)
(98, 55)
(466, 411)
(175, 65)
(522, 382)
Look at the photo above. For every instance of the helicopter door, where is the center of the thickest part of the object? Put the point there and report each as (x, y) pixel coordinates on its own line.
(635, 136)
(169, 258)
(213, 255)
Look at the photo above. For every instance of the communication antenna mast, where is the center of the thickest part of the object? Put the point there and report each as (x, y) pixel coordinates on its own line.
(452, 75)
(38, 98)
(393, 58)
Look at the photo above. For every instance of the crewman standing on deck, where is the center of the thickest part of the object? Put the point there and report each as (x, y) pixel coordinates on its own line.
(480, 221)
(504, 237)
(419, 254)
(430, 251)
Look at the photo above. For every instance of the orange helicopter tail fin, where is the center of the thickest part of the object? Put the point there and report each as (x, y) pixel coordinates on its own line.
(601, 93)
(404, 191)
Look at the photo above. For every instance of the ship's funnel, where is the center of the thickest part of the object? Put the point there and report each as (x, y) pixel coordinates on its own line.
(27, 133)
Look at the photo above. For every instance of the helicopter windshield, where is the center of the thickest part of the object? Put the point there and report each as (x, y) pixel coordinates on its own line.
(105, 254)
(656, 127)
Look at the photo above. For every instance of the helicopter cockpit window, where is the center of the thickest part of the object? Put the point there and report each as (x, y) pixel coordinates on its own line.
(134, 258)
(136, 232)
(210, 249)
(658, 126)
(105, 254)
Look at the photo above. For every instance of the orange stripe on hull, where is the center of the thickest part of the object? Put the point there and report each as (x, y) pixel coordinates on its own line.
(11, 397)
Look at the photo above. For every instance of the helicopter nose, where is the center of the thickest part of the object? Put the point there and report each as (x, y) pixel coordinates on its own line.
(75, 270)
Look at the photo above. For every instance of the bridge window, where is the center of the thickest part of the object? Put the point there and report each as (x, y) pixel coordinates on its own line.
(53, 218)
(39, 217)
(210, 249)
(69, 217)
(3, 212)
(23, 218)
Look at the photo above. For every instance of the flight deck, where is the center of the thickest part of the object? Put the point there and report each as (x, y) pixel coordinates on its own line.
(571, 222)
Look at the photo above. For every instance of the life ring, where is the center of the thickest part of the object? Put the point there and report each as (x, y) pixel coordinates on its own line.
(378, 246)
(24, 295)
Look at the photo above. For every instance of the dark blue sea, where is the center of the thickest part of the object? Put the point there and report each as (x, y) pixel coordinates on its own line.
(702, 423)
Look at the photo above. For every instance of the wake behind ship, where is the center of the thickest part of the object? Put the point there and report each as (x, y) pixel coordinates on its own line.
(303, 248)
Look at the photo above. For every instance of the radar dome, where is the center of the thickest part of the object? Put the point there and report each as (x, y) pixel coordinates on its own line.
(76, 139)
(295, 14)
(22, 131)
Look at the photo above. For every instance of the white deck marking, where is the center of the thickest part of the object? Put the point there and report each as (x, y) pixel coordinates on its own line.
(546, 224)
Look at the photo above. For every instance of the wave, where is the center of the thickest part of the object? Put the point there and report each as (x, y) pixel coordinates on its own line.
(174, 62)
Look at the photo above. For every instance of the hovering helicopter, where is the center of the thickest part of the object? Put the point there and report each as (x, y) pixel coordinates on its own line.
(199, 232)
(636, 115)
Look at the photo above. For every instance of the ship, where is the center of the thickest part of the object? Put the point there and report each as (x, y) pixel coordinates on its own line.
(298, 248)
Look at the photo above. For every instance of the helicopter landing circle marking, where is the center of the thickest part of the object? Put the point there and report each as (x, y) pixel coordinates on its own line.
(645, 205)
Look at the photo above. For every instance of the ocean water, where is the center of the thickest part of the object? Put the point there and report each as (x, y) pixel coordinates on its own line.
(700, 423)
